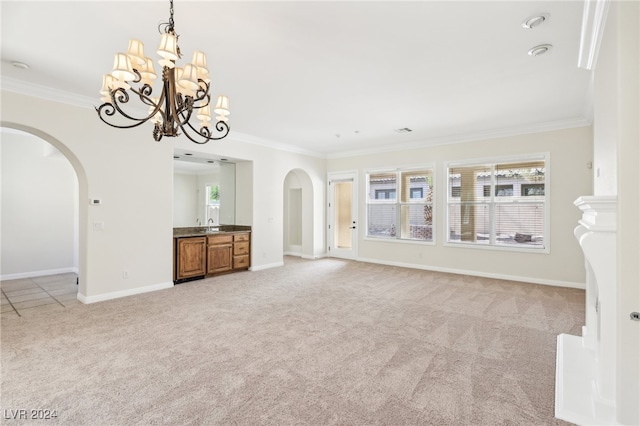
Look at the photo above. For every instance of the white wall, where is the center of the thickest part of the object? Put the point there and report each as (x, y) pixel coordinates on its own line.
(39, 208)
(227, 184)
(185, 199)
(570, 151)
(132, 175)
(616, 143)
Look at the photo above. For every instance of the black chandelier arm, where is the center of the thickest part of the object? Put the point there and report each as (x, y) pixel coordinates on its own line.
(182, 108)
(221, 127)
(202, 92)
(109, 111)
(120, 96)
(144, 94)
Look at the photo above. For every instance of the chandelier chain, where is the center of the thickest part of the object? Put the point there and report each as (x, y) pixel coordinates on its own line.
(171, 14)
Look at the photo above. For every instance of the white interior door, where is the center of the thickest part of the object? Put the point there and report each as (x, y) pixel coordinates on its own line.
(343, 215)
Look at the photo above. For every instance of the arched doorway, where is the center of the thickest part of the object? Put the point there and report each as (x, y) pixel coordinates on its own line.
(57, 153)
(298, 215)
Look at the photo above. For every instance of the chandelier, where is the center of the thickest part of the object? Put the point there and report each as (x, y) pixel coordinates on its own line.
(185, 91)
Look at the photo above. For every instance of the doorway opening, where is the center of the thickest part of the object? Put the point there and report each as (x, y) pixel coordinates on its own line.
(342, 214)
(43, 184)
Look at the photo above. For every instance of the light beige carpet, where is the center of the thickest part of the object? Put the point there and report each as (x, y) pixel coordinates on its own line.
(315, 342)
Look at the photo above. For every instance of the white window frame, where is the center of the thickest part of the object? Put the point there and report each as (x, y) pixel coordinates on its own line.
(398, 203)
(493, 161)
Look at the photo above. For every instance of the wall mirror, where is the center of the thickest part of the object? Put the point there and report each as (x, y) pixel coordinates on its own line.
(204, 190)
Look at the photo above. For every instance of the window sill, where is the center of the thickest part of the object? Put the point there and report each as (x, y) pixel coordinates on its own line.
(501, 247)
(400, 240)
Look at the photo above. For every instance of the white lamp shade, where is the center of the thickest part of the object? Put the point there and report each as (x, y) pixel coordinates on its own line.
(136, 53)
(204, 113)
(122, 69)
(146, 71)
(203, 74)
(222, 118)
(168, 48)
(222, 106)
(189, 78)
(107, 84)
(199, 59)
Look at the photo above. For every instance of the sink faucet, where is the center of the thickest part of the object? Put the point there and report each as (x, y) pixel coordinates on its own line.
(210, 221)
(198, 221)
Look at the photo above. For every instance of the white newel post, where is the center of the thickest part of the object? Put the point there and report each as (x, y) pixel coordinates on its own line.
(586, 365)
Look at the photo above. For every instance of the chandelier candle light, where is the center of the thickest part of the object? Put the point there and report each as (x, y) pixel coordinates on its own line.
(185, 91)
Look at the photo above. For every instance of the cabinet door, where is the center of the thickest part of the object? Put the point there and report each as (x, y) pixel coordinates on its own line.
(219, 258)
(192, 261)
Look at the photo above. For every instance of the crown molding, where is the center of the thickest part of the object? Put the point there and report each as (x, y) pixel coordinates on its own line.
(594, 16)
(46, 93)
(470, 137)
(56, 95)
(268, 143)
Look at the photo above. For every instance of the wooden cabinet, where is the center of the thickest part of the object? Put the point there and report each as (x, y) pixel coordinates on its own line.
(241, 250)
(209, 255)
(227, 252)
(191, 260)
(219, 253)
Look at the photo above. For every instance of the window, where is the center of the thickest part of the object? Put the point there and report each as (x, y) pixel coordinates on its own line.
(385, 194)
(408, 216)
(501, 204)
(532, 189)
(416, 193)
(213, 204)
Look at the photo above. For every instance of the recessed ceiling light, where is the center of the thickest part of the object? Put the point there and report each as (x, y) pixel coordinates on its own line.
(535, 21)
(20, 65)
(223, 159)
(540, 50)
(175, 157)
(210, 161)
(188, 153)
(403, 130)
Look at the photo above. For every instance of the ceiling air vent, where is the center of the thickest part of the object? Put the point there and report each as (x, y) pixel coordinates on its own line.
(403, 130)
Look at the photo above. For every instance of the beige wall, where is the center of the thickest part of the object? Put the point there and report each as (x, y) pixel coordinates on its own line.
(133, 175)
(130, 177)
(570, 150)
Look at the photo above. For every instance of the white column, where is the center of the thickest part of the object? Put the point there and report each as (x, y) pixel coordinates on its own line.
(586, 366)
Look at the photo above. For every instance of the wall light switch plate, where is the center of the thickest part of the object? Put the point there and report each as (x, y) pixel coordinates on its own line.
(98, 226)
(95, 201)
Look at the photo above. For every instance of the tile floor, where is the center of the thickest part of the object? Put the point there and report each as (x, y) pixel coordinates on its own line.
(26, 296)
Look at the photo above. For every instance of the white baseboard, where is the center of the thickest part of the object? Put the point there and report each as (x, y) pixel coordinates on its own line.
(292, 253)
(32, 274)
(123, 293)
(533, 280)
(267, 266)
(304, 256)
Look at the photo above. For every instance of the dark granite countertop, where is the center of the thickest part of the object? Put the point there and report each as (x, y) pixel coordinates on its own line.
(198, 231)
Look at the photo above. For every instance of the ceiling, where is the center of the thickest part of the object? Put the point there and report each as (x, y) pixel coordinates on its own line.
(328, 78)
